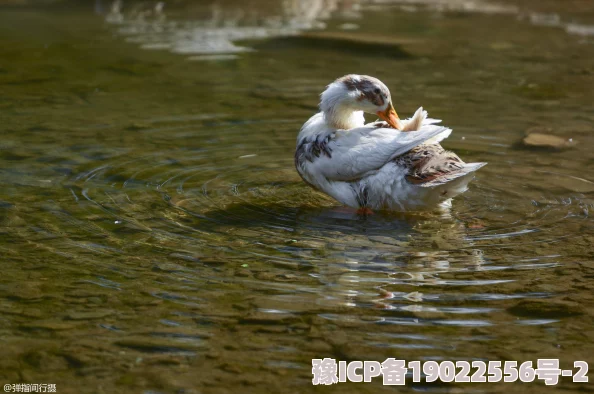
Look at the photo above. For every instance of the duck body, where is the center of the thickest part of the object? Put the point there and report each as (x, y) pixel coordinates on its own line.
(377, 167)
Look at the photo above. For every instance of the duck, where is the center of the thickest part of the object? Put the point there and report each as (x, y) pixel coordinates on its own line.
(389, 164)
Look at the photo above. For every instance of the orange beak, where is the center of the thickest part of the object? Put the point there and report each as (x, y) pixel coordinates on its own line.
(390, 116)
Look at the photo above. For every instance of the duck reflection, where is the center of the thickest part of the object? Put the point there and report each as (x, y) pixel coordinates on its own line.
(386, 260)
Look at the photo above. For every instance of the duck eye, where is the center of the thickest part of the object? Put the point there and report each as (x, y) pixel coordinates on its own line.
(377, 91)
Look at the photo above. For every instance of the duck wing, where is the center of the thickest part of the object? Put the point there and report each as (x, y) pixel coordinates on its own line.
(352, 154)
(430, 165)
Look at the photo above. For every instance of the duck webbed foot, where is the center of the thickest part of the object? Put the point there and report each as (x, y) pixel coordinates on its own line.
(364, 211)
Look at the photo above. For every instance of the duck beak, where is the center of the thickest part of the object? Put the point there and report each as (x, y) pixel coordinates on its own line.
(390, 116)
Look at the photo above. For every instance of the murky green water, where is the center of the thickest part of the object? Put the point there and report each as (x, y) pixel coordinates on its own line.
(157, 239)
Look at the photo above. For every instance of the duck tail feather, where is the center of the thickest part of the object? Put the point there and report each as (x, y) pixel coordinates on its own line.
(416, 121)
(468, 168)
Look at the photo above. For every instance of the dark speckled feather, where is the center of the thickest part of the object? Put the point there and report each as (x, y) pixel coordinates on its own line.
(370, 88)
(427, 163)
(313, 147)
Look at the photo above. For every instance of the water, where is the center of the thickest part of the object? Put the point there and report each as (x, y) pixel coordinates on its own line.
(157, 239)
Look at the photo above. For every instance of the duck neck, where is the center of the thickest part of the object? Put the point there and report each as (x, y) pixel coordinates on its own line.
(341, 117)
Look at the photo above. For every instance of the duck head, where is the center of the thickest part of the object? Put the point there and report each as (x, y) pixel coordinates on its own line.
(345, 99)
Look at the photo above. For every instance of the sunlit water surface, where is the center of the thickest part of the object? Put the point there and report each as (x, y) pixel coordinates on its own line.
(157, 239)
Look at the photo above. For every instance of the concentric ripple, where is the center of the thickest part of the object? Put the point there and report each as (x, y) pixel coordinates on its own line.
(215, 229)
(236, 197)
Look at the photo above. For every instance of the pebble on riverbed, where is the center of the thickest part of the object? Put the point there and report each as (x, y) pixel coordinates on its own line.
(538, 137)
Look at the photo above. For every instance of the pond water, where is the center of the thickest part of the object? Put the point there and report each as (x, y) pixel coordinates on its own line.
(156, 237)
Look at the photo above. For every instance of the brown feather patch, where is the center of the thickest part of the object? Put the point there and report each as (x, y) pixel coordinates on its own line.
(426, 163)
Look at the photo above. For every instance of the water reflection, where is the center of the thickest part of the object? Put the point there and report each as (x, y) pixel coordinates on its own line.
(219, 24)
(555, 20)
(151, 224)
(212, 30)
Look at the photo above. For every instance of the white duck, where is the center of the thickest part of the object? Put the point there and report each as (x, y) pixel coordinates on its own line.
(373, 166)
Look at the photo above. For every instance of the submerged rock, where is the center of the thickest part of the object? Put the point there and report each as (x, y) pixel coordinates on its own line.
(89, 315)
(158, 345)
(48, 325)
(344, 41)
(540, 138)
(547, 308)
